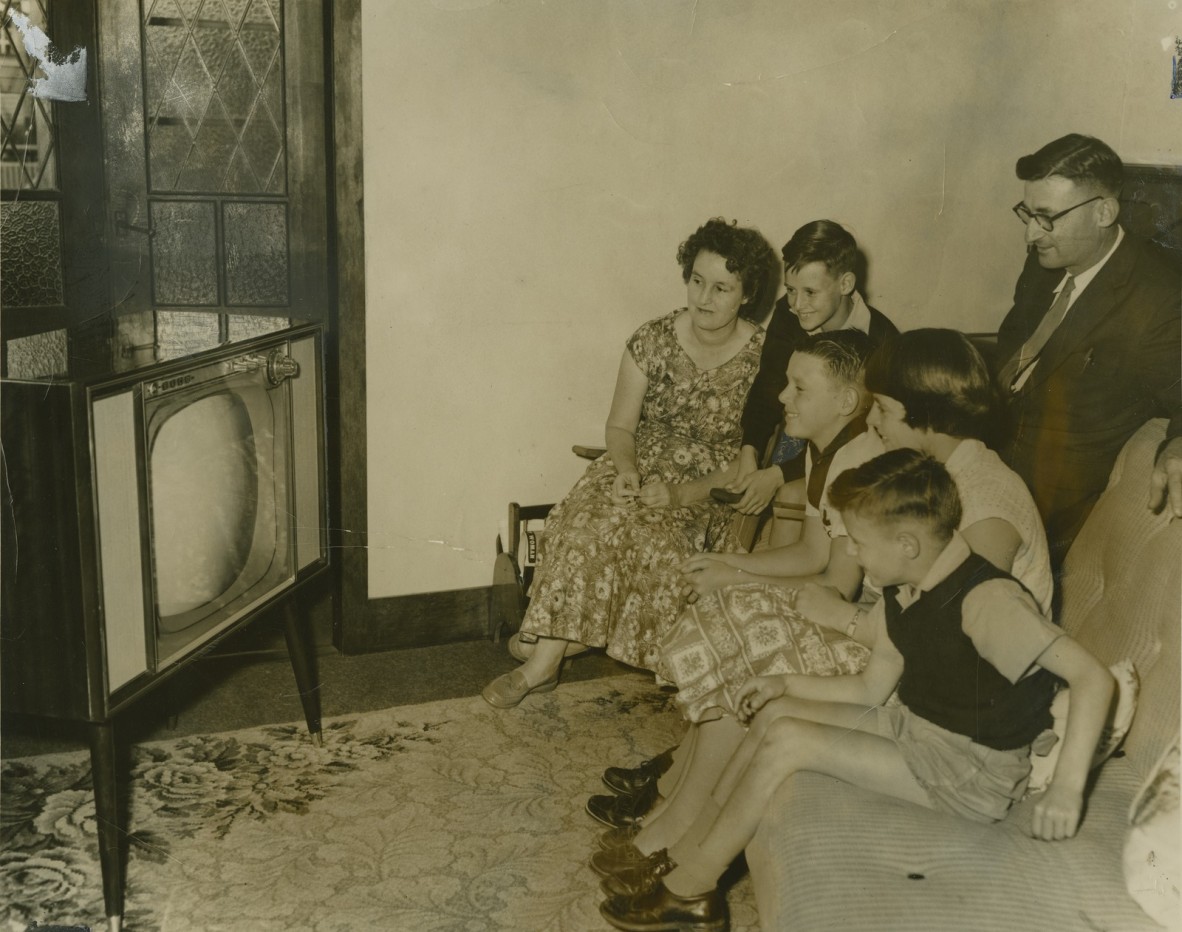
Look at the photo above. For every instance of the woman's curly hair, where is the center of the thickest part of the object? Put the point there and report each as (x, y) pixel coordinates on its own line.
(748, 255)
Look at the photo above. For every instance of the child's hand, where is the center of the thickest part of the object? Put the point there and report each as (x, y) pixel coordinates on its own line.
(755, 694)
(1057, 813)
(705, 572)
(657, 494)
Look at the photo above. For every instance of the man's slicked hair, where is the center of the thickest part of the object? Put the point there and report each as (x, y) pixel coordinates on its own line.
(1087, 161)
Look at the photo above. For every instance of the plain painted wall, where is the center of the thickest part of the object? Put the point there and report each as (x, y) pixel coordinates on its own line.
(532, 165)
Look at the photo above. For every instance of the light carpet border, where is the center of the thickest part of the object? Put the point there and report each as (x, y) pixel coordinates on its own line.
(435, 817)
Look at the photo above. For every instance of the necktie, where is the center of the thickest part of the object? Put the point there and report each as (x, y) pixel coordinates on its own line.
(1028, 354)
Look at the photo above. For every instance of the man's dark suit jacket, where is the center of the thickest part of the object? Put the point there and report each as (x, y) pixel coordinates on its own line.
(763, 412)
(1113, 363)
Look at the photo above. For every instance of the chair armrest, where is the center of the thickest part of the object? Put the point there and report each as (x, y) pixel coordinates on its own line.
(588, 453)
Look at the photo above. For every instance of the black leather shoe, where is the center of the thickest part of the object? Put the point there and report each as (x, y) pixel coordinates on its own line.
(640, 877)
(630, 780)
(658, 910)
(622, 811)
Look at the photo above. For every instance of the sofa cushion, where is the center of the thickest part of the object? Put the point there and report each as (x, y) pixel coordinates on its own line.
(1121, 594)
(834, 858)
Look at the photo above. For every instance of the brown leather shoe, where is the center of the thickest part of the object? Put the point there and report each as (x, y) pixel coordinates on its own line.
(640, 877)
(508, 690)
(614, 860)
(658, 910)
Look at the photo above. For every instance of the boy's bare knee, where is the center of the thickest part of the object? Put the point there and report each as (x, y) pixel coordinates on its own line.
(783, 738)
(772, 712)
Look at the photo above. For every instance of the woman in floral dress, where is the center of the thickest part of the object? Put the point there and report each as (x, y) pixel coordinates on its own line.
(608, 573)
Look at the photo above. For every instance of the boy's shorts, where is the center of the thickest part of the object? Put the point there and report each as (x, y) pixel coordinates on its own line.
(960, 776)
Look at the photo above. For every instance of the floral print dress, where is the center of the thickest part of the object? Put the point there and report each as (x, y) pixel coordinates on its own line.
(607, 574)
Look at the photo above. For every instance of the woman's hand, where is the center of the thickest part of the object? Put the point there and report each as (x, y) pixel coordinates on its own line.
(824, 606)
(658, 494)
(1057, 813)
(705, 572)
(755, 694)
(626, 487)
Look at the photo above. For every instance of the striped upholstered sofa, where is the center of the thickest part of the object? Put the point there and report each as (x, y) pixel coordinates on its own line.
(832, 857)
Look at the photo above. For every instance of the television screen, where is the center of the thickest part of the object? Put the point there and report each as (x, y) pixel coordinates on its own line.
(204, 503)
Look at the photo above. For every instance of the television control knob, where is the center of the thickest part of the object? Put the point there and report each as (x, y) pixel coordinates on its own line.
(280, 367)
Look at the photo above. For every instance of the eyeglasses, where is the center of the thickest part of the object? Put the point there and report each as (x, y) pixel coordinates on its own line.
(1025, 214)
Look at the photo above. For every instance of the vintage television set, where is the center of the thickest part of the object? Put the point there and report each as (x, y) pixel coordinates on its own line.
(151, 507)
(149, 512)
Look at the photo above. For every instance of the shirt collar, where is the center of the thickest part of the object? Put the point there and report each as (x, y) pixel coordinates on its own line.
(859, 318)
(955, 552)
(1084, 278)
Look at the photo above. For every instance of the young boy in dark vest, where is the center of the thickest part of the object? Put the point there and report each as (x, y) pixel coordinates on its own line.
(973, 661)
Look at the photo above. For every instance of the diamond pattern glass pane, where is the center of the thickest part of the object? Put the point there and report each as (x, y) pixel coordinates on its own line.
(256, 253)
(30, 254)
(184, 253)
(28, 157)
(214, 102)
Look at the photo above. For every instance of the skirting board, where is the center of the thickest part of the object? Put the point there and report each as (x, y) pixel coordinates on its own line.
(418, 620)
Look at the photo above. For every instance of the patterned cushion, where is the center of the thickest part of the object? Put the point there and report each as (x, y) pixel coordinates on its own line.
(1044, 759)
(1152, 857)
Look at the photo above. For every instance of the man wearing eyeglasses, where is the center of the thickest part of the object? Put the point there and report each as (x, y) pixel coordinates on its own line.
(1091, 348)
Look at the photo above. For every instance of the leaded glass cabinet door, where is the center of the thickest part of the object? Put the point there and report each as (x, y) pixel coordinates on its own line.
(52, 232)
(214, 138)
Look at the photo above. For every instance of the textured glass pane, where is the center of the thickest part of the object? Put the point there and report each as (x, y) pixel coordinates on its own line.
(28, 160)
(245, 326)
(38, 356)
(30, 254)
(184, 253)
(215, 116)
(256, 253)
(183, 333)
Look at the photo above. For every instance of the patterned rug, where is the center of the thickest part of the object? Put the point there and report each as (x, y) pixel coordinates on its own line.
(442, 816)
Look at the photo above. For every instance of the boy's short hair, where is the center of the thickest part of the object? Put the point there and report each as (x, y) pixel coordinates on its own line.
(844, 353)
(939, 378)
(900, 485)
(1086, 160)
(821, 241)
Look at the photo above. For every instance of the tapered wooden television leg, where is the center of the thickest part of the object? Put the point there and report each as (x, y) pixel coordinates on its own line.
(108, 817)
(303, 662)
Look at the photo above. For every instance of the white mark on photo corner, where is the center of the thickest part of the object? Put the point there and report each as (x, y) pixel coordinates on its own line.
(65, 74)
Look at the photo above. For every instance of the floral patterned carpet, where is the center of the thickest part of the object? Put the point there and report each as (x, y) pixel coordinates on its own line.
(442, 816)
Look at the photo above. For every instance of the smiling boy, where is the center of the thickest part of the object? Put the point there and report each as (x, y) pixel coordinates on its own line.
(824, 404)
(820, 297)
